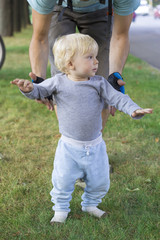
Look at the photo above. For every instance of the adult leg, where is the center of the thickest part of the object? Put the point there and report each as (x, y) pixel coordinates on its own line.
(60, 25)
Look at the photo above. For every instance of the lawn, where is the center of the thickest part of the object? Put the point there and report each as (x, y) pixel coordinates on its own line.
(28, 138)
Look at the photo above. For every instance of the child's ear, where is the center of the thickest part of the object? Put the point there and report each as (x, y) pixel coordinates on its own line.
(70, 65)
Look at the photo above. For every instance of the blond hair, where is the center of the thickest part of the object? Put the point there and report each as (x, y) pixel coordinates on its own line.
(67, 46)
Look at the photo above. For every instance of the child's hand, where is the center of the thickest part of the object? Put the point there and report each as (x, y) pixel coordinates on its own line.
(25, 85)
(141, 112)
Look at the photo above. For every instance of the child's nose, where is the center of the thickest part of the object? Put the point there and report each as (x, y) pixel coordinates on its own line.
(96, 61)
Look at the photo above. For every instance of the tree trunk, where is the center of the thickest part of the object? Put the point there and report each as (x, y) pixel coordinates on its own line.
(16, 16)
(6, 17)
(27, 13)
(24, 13)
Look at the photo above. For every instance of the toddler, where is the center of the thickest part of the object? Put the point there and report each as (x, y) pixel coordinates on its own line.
(80, 96)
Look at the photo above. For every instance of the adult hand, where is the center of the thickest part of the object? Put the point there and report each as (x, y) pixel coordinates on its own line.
(46, 101)
(115, 79)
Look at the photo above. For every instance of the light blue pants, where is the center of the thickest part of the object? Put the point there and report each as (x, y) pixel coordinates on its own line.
(74, 160)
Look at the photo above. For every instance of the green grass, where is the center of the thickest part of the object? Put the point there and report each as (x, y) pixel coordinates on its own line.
(28, 139)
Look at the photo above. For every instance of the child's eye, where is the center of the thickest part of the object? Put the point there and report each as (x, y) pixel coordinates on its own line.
(90, 57)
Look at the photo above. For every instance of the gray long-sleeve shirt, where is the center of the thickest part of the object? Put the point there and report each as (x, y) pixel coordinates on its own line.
(80, 103)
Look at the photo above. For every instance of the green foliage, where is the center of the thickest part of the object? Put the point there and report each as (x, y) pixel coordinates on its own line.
(28, 139)
(156, 2)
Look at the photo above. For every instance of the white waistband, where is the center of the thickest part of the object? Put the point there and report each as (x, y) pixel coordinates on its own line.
(82, 143)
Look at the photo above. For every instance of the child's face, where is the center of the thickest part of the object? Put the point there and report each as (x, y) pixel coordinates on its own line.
(85, 65)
